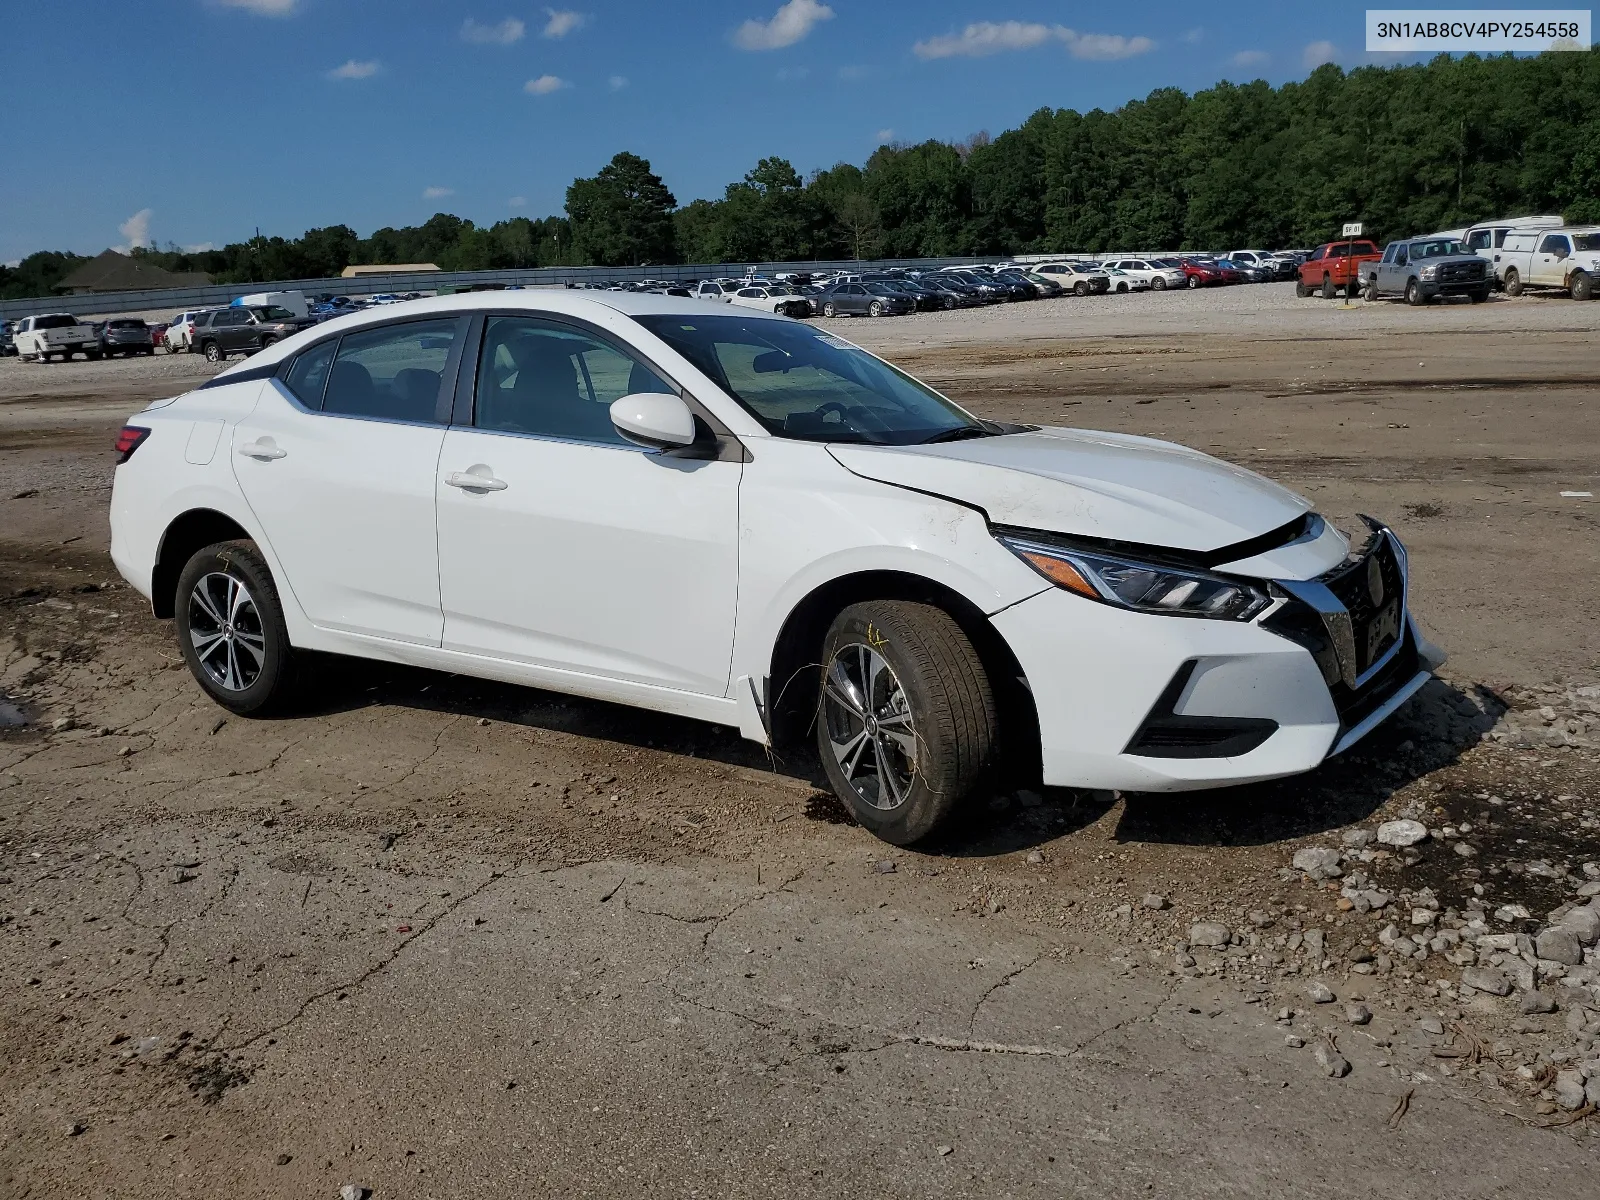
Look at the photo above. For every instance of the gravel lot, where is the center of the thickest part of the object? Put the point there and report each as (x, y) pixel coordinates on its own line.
(437, 937)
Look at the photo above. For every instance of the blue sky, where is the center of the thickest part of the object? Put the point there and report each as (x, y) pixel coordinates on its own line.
(196, 121)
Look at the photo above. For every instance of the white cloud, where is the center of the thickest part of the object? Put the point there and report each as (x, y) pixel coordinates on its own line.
(263, 8)
(885, 135)
(137, 228)
(13, 264)
(983, 38)
(517, 202)
(354, 70)
(544, 85)
(788, 25)
(1249, 58)
(437, 193)
(617, 82)
(199, 248)
(504, 34)
(1318, 53)
(562, 23)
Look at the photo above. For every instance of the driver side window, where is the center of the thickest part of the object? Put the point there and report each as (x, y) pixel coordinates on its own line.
(550, 380)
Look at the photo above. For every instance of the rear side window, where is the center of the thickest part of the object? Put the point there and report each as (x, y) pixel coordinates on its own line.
(393, 372)
(1319, 252)
(551, 380)
(308, 374)
(1500, 237)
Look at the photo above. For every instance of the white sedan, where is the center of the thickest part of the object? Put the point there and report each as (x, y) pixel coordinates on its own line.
(1152, 274)
(772, 298)
(736, 517)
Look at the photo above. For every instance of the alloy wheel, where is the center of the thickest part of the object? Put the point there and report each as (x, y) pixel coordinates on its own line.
(870, 726)
(226, 631)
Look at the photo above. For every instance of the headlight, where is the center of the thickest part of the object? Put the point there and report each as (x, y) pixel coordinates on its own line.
(1429, 272)
(1143, 587)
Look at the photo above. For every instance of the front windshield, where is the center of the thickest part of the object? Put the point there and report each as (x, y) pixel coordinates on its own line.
(272, 312)
(1437, 248)
(802, 383)
(1586, 241)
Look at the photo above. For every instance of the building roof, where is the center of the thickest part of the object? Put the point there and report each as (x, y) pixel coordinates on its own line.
(385, 269)
(113, 272)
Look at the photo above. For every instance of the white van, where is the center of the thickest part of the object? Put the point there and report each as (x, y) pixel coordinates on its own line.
(1484, 238)
(295, 302)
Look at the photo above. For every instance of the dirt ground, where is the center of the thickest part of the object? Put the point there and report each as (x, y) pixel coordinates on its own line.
(435, 936)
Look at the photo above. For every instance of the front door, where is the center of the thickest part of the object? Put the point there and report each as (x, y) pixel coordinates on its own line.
(338, 465)
(1550, 260)
(562, 545)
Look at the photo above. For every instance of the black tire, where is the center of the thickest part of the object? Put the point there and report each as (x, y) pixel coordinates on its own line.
(1081, 288)
(1414, 294)
(1372, 290)
(1194, 281)
(1122, 288)
(1581, 286)
(1158, 284)
(1352, 290)
(828, 310)
(1327, 287)
(213, 352)
(935, 677)
(1513, 282)
(875, 309)
(253, 629)
(1481, 295)
(267, 341)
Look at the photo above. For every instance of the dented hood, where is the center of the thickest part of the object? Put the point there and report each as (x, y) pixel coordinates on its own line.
(1101, 485)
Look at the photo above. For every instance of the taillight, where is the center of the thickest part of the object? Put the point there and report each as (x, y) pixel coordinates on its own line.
(129, 440)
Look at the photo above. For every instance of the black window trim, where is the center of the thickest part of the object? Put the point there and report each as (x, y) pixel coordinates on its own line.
(715, 441)
(443, 404)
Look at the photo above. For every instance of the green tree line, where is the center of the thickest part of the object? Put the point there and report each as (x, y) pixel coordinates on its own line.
(1405, 149)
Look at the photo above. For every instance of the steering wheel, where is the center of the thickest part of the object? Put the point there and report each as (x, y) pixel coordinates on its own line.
(833, 406)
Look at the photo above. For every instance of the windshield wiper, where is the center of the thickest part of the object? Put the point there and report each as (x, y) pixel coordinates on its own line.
(959, 434)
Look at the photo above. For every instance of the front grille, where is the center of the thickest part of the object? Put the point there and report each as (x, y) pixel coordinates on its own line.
(1461, 272)
(1371, 595)
(1355, 706)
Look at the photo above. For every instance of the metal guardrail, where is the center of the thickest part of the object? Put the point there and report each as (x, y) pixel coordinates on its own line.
(214, 295)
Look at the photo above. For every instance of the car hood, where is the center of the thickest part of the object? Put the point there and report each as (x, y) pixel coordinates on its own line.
(1101, 485)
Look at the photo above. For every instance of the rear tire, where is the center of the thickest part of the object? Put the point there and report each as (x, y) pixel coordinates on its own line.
(1513, 282)
(231, 630)
(1327, 287)
(213, 352)
(1371, 294)
(903, 688)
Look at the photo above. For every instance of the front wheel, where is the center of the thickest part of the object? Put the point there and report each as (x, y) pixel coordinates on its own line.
(1158, 284)
(214, 353)
(1080, 288)
(875, 308)
(906, 727)
(1194, 282)
(231, 630)
(1414, 294)
(1481, 295)
(1582, 286)
(1513, 283)
(828, 310)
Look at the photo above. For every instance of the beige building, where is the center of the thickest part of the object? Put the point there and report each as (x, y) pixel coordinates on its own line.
(385, 269)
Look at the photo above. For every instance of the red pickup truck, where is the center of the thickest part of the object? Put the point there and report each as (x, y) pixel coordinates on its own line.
(1334, 266)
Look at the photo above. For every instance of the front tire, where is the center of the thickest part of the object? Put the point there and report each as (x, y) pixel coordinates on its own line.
(1194, 281)
(231, 630)
(1080, 288)
(875, 308)
(1414, 294)
(906, 721)
(1481, 295)
(828, 310)
(1582, 286)
(1158, 284)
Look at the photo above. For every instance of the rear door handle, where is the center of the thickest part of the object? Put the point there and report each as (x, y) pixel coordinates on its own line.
(264, 449)
(471, 481)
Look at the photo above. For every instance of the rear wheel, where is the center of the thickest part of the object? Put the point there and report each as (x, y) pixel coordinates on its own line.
(213, 352)
(907, 727)
(1327, 287)
(231, 630)
(1513, 282)
(1582, 286)
(1372, 290)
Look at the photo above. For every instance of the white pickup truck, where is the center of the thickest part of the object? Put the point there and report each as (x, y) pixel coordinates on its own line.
(1568, 259)
(38, 338)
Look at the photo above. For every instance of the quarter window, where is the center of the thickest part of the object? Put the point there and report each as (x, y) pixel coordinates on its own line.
(309, 373)
(538, 377)
(393, 371)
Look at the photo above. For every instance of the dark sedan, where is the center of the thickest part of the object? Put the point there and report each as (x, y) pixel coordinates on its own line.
(125, 335)
(869, 299)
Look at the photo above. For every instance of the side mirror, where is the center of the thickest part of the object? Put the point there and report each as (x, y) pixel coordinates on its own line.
(654, 420)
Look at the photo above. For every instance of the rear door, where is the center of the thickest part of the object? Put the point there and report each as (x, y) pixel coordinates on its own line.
(338, 461)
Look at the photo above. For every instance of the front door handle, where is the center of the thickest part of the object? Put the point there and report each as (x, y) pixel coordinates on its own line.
(264, 449)
(478, 479)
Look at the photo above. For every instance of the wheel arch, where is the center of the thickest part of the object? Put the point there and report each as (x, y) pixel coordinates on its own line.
(187, 533)
(794, 669)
